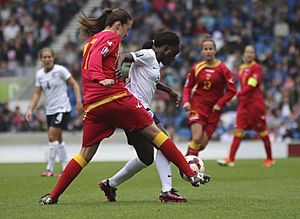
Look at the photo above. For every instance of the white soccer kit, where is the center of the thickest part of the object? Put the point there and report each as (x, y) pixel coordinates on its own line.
(54, 86)
(144, 74)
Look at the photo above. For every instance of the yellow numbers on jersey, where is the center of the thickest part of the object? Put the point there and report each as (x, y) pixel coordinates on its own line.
(207, 82)
(88, 48)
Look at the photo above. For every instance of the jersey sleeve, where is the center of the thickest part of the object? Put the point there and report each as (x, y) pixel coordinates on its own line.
(142, 57)
(65, 74)
(253, 81)
(230, 87)
(100, 51)
(37, 81)
(189, 85)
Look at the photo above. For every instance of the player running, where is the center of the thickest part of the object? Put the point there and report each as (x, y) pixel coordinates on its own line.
(204, 95)
(251, 111)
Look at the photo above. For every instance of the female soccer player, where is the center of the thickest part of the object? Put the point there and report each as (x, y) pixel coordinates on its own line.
(143, 81)
(53, 80)
(251, 111)
(209, 78)
(107, 103)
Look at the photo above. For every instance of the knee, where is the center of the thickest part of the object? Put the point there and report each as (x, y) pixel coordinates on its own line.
(147, 160)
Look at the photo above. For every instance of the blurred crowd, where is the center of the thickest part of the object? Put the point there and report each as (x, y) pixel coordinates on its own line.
(272, 26)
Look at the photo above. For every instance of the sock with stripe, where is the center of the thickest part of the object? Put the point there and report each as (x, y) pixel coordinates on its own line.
(267, 145)
(171, 152)
(234, 147)
(71, 171)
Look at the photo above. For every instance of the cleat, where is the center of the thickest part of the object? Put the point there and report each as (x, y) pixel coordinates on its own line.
(268, 163)
(109, 191)
(171, 196)
(57, 174)
(48, 200)
(47, 173)
(200, 178)
(226, 163)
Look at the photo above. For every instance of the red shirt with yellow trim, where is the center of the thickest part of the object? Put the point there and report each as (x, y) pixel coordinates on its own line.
(250, 76)
(205, 86)
(100, 56)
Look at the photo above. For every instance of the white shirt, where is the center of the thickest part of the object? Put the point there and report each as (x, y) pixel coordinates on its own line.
(55, 87)
(144, 74)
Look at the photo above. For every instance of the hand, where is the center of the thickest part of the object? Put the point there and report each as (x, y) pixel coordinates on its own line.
(29, 115)
(79, 108)
(174, 98)
(187, 107)
(107, 83)
(118, 73)
(216, 108)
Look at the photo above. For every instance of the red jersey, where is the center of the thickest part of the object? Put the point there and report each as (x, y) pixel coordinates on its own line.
(209, 83)
(250, 79)
(100, 56)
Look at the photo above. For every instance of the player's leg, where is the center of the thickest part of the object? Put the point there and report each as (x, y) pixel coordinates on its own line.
(267, 144)
(93, 133)
(195, 145)
(241, 124)
(163, 165)
(61, 150)
(145, 157)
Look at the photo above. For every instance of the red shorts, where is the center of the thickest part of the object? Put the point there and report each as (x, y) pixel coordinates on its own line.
(254, 118)
(209, 122)
(125, 113)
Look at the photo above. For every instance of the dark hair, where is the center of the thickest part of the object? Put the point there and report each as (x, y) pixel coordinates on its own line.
(163, 38)
(208, 38)
(45, 49)
(90, 26)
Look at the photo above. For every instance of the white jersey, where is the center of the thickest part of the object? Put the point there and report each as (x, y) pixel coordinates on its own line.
(144, 74)
(54, 86)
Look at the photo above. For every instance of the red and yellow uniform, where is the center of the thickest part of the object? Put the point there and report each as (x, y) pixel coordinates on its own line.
(251, 107)
(205, 87)
(106, 108)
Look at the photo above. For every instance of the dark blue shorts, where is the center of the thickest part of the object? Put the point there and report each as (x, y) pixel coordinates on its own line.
(58, 120)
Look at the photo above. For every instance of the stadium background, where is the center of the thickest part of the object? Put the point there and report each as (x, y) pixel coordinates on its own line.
(271, 26)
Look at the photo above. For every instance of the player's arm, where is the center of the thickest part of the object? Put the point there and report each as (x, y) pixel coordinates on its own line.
(72, 82)
(172, 94)
(35, 99)
(253, 81)
(187, 90)
(123, 58)
(230, 90)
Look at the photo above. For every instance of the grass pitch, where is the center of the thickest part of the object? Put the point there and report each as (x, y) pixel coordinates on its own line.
(245, 191)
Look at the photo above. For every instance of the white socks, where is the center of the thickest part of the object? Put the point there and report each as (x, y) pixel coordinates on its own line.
(52, 155)
(132, 167)
(62, 155)
(60, 151)
(164, 170)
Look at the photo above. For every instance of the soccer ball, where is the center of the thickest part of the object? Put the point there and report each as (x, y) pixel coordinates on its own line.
(196, 164)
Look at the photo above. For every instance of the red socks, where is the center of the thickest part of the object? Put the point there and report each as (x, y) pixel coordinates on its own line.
(71, 171)
(267, 144)
(234, 147)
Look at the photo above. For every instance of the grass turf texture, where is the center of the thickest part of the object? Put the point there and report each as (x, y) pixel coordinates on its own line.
(245, 191)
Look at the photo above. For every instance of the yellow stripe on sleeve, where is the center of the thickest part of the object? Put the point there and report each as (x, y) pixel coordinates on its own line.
(160, 139)
(80, 160)
(252, 82)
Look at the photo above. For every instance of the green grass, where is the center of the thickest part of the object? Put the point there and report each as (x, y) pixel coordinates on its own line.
(245, 191)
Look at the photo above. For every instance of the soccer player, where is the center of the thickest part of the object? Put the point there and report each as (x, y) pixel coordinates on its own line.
(107, 103)
(204, 95)
(53, 80)
(143, 81)
(251, 110)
